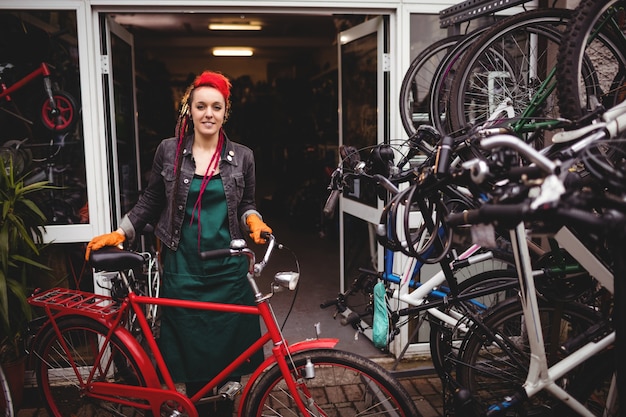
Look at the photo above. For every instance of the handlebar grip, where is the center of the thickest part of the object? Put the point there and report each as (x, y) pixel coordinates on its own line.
(442, 165)
(331, 203)
(464, 217)
(216, 254)
(489, 213)
(528, 171)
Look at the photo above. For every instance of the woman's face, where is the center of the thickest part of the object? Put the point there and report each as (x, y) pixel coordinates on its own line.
(208, 111)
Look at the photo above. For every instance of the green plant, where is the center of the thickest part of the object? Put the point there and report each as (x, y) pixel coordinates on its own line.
(21, 239)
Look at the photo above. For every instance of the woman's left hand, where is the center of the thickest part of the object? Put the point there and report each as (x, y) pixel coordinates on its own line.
(257, 226)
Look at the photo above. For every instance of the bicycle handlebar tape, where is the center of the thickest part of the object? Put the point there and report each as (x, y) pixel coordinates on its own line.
(442, 164)
(331, 203)
(257, 227)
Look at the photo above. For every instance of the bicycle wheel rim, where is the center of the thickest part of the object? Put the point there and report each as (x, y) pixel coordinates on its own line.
(64, 393)
(502, 70)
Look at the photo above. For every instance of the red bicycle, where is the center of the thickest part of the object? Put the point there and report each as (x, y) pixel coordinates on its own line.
(88, 363)
(57, 111)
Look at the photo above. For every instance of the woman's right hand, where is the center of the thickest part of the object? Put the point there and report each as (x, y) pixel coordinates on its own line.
(110, 239)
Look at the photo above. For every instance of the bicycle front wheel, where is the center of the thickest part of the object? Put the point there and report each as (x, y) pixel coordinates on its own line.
(506, 75)
(416, 86)
(336, 383)
(64, 386)
(596, 37)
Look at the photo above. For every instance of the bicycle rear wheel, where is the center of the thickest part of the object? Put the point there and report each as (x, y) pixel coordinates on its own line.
(341, 384)
(491, 373)
(63, 387)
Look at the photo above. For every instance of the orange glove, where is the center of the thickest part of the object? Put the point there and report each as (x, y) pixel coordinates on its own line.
(109, 239)
(257, 226)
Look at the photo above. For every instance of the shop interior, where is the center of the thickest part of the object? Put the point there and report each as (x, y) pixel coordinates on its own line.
(284, 107)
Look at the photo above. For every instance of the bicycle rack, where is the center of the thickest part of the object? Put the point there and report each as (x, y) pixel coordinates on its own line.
(65, 299)
(471, 9)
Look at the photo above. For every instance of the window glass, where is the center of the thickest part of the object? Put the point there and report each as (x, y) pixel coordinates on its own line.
(41, 128)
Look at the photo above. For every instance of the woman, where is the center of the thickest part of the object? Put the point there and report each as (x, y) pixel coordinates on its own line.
(201, 195)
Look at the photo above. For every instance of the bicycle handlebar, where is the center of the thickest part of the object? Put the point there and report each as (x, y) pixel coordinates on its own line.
(515, 213)
(513, 142)
(238, 248)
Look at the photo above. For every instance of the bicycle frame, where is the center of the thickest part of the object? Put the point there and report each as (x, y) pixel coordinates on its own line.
(43, 70)
(540, 376)
(59, 303)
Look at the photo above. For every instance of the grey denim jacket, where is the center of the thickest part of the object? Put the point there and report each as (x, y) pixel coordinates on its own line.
(158, 206)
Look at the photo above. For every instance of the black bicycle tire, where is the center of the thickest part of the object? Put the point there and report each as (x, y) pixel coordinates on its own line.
(537, 19)
(6, 399)
(422, 59)
(509, 379)
(571, 53)
(440, 334)
(442, 80)
(340, 369)
(42, 351)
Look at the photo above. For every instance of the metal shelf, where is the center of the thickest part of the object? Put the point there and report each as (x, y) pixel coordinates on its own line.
(471, 9)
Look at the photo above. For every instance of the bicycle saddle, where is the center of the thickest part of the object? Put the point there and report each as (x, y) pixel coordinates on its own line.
(111, 258)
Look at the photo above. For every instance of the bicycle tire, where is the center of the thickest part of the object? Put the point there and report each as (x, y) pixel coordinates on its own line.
(445, 340)
(344, 384)
(416, 87)
(490, 374)
(491, 74)
(442, 81)
(609, 83)
(68, 397)
(6, 400)
(67, 115)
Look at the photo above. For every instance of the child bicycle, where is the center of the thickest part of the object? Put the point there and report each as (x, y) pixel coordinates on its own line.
(58, 110)
(88, 363)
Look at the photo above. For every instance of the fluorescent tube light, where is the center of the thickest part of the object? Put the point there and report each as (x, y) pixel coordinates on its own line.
(234, 26)
(232, 51)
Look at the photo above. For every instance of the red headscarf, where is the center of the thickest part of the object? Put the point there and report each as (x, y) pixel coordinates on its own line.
(215, 80)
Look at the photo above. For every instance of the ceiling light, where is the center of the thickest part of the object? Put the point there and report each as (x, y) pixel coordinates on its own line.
(234, 26)
(232, 51)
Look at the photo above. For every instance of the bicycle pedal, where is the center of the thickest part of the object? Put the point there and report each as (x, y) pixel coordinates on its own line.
(229, 389)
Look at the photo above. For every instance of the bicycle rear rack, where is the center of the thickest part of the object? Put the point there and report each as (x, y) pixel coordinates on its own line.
(67, 300)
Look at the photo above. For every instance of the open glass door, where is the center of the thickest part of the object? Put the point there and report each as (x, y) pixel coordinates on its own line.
(362, 123)
(120, 102)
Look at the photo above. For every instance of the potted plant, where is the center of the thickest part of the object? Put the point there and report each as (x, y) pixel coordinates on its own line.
(21, 239)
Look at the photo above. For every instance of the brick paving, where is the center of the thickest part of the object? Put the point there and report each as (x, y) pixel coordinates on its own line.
(420, 381)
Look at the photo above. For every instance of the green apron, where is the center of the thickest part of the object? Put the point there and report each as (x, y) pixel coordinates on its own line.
(197, 344)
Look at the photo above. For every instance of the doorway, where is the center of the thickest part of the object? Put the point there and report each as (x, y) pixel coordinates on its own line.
(284, 98)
